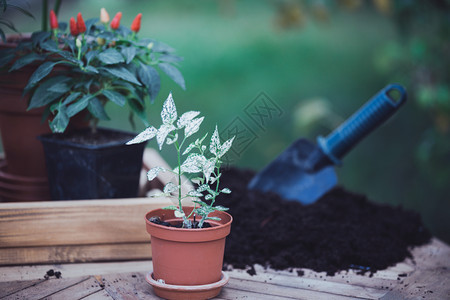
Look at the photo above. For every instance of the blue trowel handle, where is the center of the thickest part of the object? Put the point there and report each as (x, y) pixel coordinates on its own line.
(361, 123)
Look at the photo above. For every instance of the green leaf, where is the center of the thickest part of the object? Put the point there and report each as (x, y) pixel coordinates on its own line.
(110, 57)
(25, 60)
(50, 46)
(42, 96)
(150, 78)
(60, 121)
(115, 97)
(91, 69)
(71, 97)
(78, 105)
(173, 73)
(59, 87)
(97, 110)
(129, 53)
(6, 58)
(90, 55)
(39, 37)
(123, 73)
(69, 56)
(40, 73)
(139, 110)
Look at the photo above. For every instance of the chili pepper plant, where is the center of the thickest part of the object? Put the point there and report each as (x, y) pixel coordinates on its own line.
(101, 61)
(200, 162)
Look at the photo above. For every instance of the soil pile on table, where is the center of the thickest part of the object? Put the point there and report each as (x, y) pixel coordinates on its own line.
(341, 231)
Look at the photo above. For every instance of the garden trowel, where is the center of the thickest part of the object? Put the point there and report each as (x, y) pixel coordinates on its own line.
(305, 171)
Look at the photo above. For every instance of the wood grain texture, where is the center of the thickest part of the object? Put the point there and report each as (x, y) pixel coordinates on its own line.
(82, 222)
(426, 276)
(75, 253)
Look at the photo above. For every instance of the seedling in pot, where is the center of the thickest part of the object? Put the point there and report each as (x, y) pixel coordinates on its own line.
(196, 160)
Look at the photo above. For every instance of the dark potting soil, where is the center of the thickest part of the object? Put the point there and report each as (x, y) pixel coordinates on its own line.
(340, 231)
(158, 221)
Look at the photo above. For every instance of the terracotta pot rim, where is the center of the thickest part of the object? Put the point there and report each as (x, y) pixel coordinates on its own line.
(215, 224)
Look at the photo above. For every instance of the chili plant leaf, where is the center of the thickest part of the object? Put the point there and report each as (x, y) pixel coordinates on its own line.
(96, 109)
(115, 97)
(40, 73)
(110, 57)
(173, 73)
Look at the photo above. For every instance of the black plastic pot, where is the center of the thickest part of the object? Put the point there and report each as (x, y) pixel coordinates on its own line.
(88, 171)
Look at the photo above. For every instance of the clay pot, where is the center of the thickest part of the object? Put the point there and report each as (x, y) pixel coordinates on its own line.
(187, 257)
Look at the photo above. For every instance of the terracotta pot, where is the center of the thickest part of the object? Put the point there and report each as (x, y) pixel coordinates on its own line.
(187, 257)
(20, 128)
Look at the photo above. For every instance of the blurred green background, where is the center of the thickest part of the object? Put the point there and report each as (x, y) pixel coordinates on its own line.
(318, 62)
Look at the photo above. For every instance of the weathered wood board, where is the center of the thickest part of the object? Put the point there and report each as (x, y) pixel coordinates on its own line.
(426, 276)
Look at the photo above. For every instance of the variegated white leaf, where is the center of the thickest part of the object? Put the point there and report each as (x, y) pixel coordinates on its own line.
(221, 208)
(194, 193)
(153, 172)
(212, 180)
(213, 218)
(225, 147)
(226, 191)
(193, 126)
(169, 111)
(179, 214)
(208, 197)
(202, 188)
(208, 168)
(170, 141)
(196, 180)
(203, 148)
(214, 146)
(162, 133)
(193, 163)
(145, 135)
(189, 148)
(170, 188)
(186, 118)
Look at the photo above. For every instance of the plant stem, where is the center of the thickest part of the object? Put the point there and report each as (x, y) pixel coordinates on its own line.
(44, 15)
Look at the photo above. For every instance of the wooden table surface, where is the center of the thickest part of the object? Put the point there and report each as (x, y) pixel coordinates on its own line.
(426, 276)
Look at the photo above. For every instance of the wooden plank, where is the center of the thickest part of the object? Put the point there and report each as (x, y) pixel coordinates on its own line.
(127, 286)
(27, 273)
(75, 222)
(325, 285)
(45, 288)
(77, 291)
(100, 295)
(8, 288)
(76, 253)
(282, 288)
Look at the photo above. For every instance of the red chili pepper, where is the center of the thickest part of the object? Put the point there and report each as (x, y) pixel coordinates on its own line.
(116, 21)
(73, 27)
(80, 24)
(136, 25)
(53, 20)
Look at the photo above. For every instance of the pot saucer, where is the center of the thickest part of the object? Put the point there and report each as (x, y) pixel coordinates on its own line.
(188, 292)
